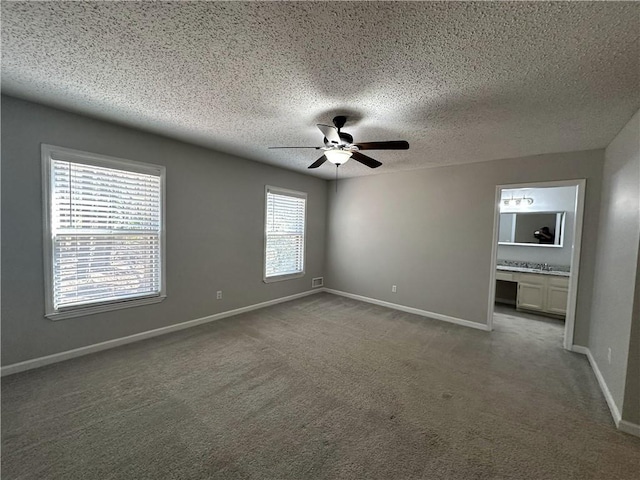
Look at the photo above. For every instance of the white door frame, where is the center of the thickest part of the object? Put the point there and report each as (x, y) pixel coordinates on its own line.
(570, 319)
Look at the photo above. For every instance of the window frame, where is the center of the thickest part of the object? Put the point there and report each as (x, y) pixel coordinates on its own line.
(291, 193)
(52, 152)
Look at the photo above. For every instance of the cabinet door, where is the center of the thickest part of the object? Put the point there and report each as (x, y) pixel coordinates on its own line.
(557, 281)
(532, 278)
(531, 297)
(557, 300)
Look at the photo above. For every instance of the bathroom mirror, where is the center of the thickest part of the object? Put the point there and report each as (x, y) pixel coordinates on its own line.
(540, 229)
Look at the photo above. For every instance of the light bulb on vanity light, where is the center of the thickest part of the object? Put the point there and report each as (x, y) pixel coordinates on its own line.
(522, 201)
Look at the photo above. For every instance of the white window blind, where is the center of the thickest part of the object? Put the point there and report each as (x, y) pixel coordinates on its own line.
(105, 227)
(285, 233)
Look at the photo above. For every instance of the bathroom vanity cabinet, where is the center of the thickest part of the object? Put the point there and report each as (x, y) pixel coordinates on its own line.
(545, 293)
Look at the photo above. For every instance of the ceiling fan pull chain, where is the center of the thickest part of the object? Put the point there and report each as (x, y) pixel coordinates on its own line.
(337, 177)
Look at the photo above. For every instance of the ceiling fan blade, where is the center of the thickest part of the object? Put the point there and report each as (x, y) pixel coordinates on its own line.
(315, 148)
(330, 133)
(318, 162)
(393, 145)
(368, 161)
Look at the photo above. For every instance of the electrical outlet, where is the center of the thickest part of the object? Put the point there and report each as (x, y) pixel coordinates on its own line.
(609, 355)
(394, 288)
(219, 295)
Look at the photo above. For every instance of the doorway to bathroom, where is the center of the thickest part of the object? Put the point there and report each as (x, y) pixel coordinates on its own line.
(536, 254)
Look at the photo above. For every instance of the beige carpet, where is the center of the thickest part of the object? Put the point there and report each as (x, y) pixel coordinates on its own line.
(319, 388)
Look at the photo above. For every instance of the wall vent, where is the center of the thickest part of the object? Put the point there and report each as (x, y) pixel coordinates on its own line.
(317, 282)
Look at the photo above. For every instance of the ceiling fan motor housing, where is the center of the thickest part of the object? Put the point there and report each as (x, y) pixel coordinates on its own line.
(345, 139)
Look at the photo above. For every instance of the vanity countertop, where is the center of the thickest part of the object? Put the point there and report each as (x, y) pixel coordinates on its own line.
(533, 270)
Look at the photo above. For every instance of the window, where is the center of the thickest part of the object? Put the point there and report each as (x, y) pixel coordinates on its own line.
(103, 232)
(284, 234)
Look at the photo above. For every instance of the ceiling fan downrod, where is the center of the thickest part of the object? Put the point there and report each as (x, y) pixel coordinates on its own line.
(339, 121)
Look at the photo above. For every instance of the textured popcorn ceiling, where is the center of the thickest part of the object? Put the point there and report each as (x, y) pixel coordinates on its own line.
(462, 82)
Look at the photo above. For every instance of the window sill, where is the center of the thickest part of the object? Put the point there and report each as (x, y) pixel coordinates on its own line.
(89, 310)
(281, 278)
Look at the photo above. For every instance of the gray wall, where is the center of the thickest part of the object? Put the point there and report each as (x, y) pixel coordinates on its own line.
(545, 200)
(430, 232)
(215, 215)
(617, 258)
(631, 405)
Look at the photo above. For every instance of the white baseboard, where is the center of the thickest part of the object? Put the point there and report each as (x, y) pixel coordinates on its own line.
(97, 347)
(630, 428)
(622, 425)
(416, 311)
(580, 349)
(615, 413)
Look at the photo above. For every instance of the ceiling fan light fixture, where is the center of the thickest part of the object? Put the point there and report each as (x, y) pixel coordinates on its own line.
(338, 157)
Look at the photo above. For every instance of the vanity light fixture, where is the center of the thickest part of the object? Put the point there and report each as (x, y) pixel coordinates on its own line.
(517, 201)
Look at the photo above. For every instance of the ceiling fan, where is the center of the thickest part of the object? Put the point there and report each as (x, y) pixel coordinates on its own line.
(339, 146)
